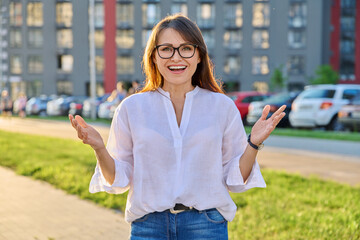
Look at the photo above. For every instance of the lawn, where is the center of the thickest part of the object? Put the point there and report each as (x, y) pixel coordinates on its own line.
(291, 207)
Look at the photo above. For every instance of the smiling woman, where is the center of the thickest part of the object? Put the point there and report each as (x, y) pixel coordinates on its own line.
(179, 146)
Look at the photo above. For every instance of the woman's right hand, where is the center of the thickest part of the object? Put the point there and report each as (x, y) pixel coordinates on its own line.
(86, 133)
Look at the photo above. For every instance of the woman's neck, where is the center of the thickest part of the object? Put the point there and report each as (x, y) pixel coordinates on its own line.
(177, 91)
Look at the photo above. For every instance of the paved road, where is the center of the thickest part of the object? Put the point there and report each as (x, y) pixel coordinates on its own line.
(347, 148)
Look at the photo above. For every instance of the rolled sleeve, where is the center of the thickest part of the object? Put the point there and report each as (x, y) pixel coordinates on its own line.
(120, 148)
(235, 181)
(234, 145)
(121, 183)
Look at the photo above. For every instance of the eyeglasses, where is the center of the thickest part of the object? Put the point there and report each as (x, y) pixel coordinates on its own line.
(166, 51)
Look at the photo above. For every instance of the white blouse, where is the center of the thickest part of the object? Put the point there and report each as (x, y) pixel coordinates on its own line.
(162, 164)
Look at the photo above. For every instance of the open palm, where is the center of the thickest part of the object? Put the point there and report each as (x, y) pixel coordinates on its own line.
(263, 127)
(87, 133)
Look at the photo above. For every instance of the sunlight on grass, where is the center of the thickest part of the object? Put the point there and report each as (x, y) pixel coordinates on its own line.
(291, 207)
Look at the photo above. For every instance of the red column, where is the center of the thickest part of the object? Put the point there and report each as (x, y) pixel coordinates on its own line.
(110, 45)
(357, 43)
(335, 35)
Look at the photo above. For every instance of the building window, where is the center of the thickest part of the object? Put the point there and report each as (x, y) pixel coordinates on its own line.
(15, 14)
(151, 14)
(125, 38)
(64, 87)
(260, 65)
(261, 15)
(99, 15)
(99, 64)
(35, 14)
(206, 15)
(296, 38)
(233, 39)
(125, 65)
(124, 15)
(232, 65)
(260, 39)
(296, 65)
(179, 8)
(347, 40)
(35, 38)
(297, 14)
(233, 15)
(64, 14)
(15, 64)
(33, 88)
(145, 36)
(64, 38)
(15, 38)
(65, 63)
(99, 38)
(209, 38)
(35, 64)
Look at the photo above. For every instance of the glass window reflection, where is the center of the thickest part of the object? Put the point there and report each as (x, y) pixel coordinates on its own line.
(125, 38)
(260, 39)
(261, 15)
(233, 15)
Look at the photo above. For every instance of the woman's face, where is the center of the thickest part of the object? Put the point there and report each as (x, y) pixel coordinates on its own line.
(176, 71)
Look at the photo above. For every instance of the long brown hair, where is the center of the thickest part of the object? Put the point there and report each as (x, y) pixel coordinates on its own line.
(203, 76)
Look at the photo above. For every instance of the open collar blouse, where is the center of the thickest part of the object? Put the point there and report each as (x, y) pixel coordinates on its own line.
(162, 164)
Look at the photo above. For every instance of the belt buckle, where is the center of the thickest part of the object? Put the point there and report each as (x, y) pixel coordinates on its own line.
(173, 211)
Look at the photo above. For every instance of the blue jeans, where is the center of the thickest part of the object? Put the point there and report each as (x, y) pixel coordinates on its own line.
(200, 225)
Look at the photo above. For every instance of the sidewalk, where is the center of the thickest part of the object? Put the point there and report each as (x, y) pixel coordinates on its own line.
(35, 210)
(32, 209)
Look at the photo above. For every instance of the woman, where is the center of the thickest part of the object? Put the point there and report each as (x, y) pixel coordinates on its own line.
(178, 146)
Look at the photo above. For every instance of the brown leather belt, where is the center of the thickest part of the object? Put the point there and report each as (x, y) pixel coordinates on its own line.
(179, 208)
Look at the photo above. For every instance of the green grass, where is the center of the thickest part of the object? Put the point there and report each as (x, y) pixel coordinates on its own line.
(320, 134)
(291, 207)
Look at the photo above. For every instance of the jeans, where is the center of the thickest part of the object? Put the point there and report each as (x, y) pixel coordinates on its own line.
(192, 224)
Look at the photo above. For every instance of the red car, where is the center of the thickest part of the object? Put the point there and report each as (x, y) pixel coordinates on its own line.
(243, 99)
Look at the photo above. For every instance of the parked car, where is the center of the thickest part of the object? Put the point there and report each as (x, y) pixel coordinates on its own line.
(61, 105)
(76, 107)
(37, 105)
(107, 109)
(349, 114)
(275, 102)
(318, 105)
(86, 111)
(243, 99)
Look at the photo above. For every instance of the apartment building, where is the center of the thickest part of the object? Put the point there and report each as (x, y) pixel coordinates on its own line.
(44, 45)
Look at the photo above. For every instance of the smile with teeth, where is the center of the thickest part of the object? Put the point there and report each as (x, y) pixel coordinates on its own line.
(176, 68)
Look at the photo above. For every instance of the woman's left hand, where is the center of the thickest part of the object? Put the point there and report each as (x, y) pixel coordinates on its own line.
(263, 127)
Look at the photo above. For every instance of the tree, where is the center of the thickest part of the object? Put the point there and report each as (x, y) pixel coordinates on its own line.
(277, 80)
(325, 74)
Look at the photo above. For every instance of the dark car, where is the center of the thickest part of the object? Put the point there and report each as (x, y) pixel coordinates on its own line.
(243, 99)
(86, 111)
(76, 107)
(349, 115)
(61, 105)
(275, 102)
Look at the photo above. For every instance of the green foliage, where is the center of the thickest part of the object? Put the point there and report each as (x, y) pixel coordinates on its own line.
(291, 207)
(325, 74)
(345, 136)
(277, 80)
